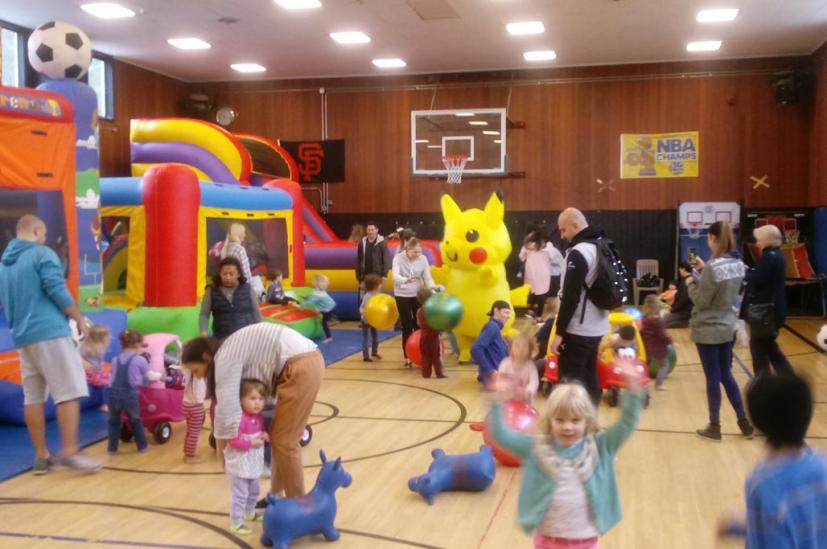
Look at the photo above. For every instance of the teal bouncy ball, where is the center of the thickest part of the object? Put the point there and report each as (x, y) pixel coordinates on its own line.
(443, 312)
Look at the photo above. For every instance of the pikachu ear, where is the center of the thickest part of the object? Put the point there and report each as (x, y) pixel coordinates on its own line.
(494, 211)
(450, 210)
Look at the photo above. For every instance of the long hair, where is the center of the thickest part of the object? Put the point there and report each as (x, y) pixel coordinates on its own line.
(234, 234)
(216, 278)
(722, 231)
(569, 399)
(194, 351)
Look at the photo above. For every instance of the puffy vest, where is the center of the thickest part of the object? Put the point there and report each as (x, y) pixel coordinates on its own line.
(228, 317)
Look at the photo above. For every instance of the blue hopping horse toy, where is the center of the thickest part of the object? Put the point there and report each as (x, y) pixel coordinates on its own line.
(288, 518)
(468, 472)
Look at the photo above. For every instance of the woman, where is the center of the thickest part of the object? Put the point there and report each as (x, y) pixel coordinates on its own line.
(712, 325)
(291, 368)
(765, 285)
(411, 272)
(231, 300)
(678, 316)
(542, 264)
(234, 247)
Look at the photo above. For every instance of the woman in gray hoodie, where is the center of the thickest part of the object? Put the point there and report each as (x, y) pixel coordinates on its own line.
(712, 324)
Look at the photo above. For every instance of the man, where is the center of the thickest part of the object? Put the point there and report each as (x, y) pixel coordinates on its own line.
(580, 324)
(489, 348)
(372, 256)
(36, 301)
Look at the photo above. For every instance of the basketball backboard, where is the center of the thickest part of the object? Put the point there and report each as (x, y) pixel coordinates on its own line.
(479, 134)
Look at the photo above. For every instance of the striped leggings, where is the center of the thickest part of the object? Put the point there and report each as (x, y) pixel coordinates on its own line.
(194, 414)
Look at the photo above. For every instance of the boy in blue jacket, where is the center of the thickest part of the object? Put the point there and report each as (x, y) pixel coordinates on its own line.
(489, 348)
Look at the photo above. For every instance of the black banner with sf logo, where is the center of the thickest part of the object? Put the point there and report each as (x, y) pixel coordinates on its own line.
(318, 161)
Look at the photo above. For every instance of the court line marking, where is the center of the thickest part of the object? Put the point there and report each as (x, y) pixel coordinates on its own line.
(499, 506)
(93, 541)
(803, 338)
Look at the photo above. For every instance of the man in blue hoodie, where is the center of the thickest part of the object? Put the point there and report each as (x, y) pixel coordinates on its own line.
(36, 302)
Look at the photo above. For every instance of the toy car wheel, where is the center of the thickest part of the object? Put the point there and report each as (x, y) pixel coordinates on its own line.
(613, 396)
(126, 433)
(646, 400)
(307, 436)
(212, 441)
(163, 432)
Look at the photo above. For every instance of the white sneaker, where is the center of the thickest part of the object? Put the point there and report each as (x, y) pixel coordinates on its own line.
(80, 462)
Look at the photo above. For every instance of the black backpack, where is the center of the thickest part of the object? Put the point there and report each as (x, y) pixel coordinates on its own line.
(610, 288)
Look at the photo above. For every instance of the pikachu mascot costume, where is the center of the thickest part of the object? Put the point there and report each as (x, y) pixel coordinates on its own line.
(474, 249)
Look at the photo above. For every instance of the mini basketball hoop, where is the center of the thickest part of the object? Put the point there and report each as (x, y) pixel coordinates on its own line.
(694, 229)
(454, 163)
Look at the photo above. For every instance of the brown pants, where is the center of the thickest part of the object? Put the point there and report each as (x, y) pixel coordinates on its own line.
(429, 348)
(296, 389)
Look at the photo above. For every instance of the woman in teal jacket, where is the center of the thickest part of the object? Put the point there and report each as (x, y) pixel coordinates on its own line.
(569, 495)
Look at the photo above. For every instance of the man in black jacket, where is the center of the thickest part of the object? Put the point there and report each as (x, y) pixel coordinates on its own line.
(372, 256)
(580, 323)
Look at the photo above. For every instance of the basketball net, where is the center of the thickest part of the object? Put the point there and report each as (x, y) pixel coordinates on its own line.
(791, 236)
(454, 163)
(694, 231)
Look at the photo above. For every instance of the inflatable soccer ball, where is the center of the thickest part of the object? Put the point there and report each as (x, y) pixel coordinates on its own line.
(821, 338)
(60, 50)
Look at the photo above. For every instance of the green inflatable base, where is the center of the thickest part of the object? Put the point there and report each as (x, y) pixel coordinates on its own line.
(181, 321)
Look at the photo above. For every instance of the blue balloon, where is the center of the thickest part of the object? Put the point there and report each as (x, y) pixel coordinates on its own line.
(468, 472)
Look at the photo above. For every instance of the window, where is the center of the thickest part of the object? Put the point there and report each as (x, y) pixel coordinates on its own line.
(100, 80)
(10, 55)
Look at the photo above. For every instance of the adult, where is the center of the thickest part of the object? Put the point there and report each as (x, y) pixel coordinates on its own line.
(357, 232)
(411, 272)
(230, 299)
(36, 301)
(580, 323)
(542, 270)
(371, 255)
(291, 368)
(765, 285)
(712, 325)
(678, 315)
(234, 247)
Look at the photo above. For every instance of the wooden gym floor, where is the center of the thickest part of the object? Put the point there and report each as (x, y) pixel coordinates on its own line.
(384, 421)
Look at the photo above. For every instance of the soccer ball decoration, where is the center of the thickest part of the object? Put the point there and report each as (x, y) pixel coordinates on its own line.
(821, 338)
(60, 50)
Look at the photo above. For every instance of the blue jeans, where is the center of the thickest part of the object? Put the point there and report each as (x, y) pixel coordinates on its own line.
(126, 402)
(373, 343)
(717, 363)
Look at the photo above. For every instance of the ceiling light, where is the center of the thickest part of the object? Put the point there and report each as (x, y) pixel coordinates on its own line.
(490, 132)
(498, 140)
(709, 45)
(350, 37)
(392, 63)
(464, 114)
(422, 141)
(526, 27)
(247, 67)
(189, 43)
(478, 123)
(540, 55)
(717, 16)
(107, 10)
(299, 4)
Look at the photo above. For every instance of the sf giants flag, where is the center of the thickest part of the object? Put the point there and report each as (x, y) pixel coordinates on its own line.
(318, 161)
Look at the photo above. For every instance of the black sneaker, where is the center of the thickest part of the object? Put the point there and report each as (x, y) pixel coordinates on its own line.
(366, 359)
(262, 503)
(710, 432)
(746, 428)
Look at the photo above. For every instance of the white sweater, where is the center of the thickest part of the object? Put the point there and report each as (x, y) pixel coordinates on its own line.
(409, 276)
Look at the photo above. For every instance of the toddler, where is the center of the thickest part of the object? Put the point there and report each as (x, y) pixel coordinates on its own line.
(429, 347)
(275, 292)
(568, 495)
(623, 338)
(92, 350)
(322, 302)
(655, 339)
(372, 282)
(518, 370)
(244, 456)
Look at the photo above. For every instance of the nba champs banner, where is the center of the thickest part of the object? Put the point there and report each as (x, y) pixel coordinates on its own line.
(663, 155)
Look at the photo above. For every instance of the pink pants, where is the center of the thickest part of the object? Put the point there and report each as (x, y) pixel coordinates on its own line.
(194, 414)
(546, 542)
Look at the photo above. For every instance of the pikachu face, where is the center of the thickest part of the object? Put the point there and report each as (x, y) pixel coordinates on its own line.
(474, 238)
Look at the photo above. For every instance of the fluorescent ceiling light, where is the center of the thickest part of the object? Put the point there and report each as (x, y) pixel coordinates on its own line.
(498, 141)
(247, 67)
(525, 27)
(107, 10)
(434, 146)
(717, 16)
(709, 45)
(350, 37)
(422, 141)
(490, 132)
(478, 123)
(540, 55)
(392, 63)
(464, 114)
(299, 4)
(189, 43)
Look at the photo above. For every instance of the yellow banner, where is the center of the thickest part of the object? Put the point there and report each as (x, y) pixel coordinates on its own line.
(648, 155)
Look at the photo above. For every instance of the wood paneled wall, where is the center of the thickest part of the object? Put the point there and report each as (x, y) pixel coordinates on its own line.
(818, 130)
(138, 93)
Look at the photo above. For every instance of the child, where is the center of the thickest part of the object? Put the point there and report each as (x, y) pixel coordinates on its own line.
(244, 456)
(92, 349)
(518, 368)
(322, 302)
(195, 392)
(275, 293)
(429, 346)
(786, 492)
(129, 371)
(372, 284)
(489, 348)
(623, 338)
(668, 296)
(655, 339)
(544, 333)
(568, 495)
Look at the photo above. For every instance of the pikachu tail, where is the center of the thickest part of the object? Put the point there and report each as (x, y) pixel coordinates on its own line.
(519, 296)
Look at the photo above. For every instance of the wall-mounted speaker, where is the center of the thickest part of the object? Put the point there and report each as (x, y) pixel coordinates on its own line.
(790, 87)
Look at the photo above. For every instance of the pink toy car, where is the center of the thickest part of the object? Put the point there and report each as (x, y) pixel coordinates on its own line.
(160, 401)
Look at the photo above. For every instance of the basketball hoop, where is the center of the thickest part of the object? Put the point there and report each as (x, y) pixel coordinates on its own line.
(454, 163)
(694, 230)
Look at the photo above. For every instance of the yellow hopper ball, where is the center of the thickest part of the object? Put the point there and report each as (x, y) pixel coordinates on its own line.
(381, 312)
